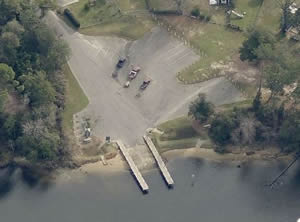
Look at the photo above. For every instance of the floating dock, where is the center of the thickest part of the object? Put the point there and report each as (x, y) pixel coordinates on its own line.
(133, 167)
(159, 161)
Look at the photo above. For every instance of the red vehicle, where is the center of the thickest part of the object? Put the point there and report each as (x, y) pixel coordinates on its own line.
(133, 73)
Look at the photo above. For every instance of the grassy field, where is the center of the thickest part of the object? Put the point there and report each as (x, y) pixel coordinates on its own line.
(242, 104)
(122, 18)
(178, 134)
(218, 45)
(252, 10)
(76, 100)
(126, 27)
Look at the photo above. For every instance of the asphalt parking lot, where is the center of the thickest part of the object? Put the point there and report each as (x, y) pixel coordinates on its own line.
(126, 113)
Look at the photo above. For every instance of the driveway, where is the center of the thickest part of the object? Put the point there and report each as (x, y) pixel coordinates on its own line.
(125, 113)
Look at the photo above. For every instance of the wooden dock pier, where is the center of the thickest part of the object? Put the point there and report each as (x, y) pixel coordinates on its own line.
(159, 161)
(133, 167)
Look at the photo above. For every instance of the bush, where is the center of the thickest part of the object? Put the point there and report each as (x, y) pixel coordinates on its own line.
(200, 109)
(221, 128)
(195, 12)
(86, 6)
(234, 27)
(15, 83)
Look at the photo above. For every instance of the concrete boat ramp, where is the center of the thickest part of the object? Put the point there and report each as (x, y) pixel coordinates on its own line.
(136, 172)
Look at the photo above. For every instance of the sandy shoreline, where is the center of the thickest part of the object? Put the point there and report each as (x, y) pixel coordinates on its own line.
(118, 164)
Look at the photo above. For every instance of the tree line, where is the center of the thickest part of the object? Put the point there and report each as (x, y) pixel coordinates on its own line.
(31, 60)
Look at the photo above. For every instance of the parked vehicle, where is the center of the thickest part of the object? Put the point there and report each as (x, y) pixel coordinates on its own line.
(121, 62)
(72, 18)
(133, 73)
(145, 84)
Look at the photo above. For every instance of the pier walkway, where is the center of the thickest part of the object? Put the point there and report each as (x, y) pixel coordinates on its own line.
(133, 167)
(159, 161)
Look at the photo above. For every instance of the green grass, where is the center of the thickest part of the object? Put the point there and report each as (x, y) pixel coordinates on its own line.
(126, 27)
(179, 128)
(117, 18)
(76, 100)
(162, 4)
(131, 4)
(251, 7)
(269, 16)
(242, 104)
(218, 44)
(178, 134)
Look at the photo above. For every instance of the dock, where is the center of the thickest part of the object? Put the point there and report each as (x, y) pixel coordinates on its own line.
(142, 183)
(159, 161)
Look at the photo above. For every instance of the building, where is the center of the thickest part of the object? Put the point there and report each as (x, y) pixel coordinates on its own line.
(219, 2)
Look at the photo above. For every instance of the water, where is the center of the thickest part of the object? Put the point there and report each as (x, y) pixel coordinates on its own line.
(204, 191)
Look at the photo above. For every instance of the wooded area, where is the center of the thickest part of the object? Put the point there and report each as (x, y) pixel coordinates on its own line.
(32, 85)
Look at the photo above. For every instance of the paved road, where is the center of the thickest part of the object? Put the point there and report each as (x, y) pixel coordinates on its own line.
(123, 114)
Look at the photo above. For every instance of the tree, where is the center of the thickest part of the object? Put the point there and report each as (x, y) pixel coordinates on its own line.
(290, 131)
(10, 127)
(38, 88)
(256, 39)
(8, 10)
(14, 27)
(200, 109)
(3, 97)
(256, 104)
(9, 42)
(221, 128)
(274, 79)
(58, 55)
(296, 19)
(286, 15)
(296, 94)
(6, 73)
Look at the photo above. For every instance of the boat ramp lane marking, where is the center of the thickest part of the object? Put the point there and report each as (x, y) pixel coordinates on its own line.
(159, 161)
(133, 167)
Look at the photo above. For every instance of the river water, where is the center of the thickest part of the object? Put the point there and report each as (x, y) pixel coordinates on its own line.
(204, 192)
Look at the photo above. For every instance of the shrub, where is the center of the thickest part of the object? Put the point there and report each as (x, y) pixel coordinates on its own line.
(15, 83)
(207, 18)
(200, 109)
(195, 12)
(221, 128)
(86, 6)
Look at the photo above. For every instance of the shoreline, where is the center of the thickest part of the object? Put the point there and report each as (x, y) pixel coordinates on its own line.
(118, 164)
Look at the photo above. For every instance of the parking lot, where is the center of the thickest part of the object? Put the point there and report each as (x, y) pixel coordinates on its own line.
(125, 113)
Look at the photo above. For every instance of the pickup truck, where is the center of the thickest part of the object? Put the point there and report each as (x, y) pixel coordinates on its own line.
(133, 73)
(145, 84)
